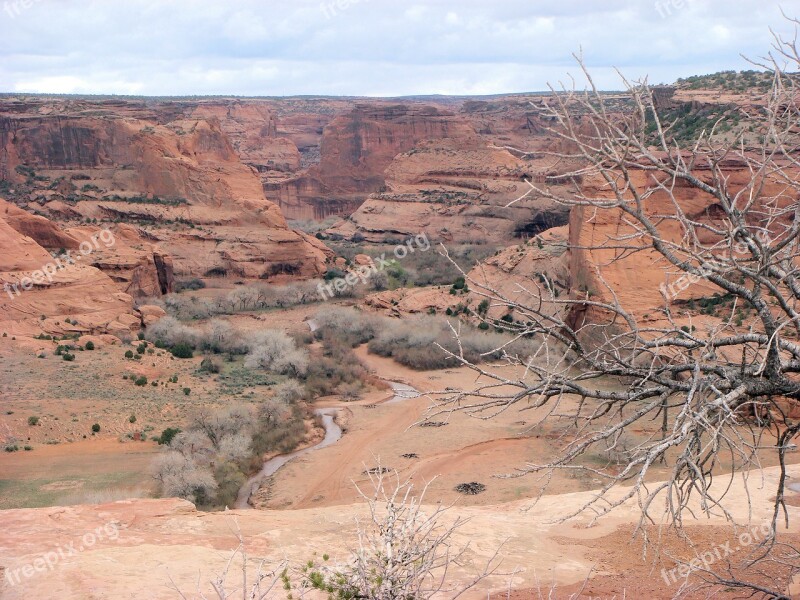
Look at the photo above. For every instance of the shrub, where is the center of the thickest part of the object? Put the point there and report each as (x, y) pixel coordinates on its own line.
(230, 479)
(425, 344)
(220, 336)
(332, 274)
(279, 430)
(33, 421)
(338, 366)
(351, 391)
(351, 326)
(289, 392)
(132, 419)
(187, 391)
(182, 350)
(68, 357)
(96, 428)
(168, 331)
(192, 284)
(167, 435)
(180, 477)
(275, 351)
(129, 354)
(141, 381)
(209, 365)
(89, 345)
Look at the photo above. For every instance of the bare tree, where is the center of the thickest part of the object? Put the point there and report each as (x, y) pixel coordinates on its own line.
(258, 585)
(404, 550)
(719, 213)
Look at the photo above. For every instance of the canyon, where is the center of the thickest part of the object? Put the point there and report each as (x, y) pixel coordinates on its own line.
(223, 217)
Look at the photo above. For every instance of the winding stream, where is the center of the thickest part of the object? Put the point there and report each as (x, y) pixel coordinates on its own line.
(333, 433)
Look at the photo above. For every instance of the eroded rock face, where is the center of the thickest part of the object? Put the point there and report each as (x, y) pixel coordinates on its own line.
(171, 170)
(522, 273)
(123, 252)
(454, 190)
(355, 150)
(39, 294)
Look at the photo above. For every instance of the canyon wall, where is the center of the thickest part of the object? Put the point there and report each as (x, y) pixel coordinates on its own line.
(169, 170)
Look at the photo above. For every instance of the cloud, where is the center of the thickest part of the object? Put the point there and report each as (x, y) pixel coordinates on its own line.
(360, 47)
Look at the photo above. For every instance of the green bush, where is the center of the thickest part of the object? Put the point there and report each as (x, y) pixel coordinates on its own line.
(96, 428)
(166, 436)
(33, 421)
(129, 354)
(132, 419)
(68, 357)
(89, 345)
(187, 391)
(141, 381)
(182, 350)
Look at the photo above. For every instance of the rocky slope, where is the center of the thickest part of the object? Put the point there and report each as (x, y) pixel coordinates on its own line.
(521, 273)
(44, 295)
(176, 176)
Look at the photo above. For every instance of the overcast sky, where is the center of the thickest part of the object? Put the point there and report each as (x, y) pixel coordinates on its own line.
(368, 47)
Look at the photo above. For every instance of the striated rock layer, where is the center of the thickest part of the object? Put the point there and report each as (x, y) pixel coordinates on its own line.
(175, 175)
(40, 293)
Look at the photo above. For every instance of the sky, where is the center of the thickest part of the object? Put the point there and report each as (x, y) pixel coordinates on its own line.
(370, 47)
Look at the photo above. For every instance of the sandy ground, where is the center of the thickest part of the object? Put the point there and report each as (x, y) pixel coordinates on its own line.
(316, 494)
(161, 540)
(89, 471)
(466, 449)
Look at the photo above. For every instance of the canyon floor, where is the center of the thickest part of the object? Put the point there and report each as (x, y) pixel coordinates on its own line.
(309, 507)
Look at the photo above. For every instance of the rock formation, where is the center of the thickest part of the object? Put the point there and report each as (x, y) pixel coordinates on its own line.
(41, 293)
(177, 177)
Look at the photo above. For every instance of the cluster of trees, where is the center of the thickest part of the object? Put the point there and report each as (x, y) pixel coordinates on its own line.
(208, 462)
(422, 342)
(245, 298)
